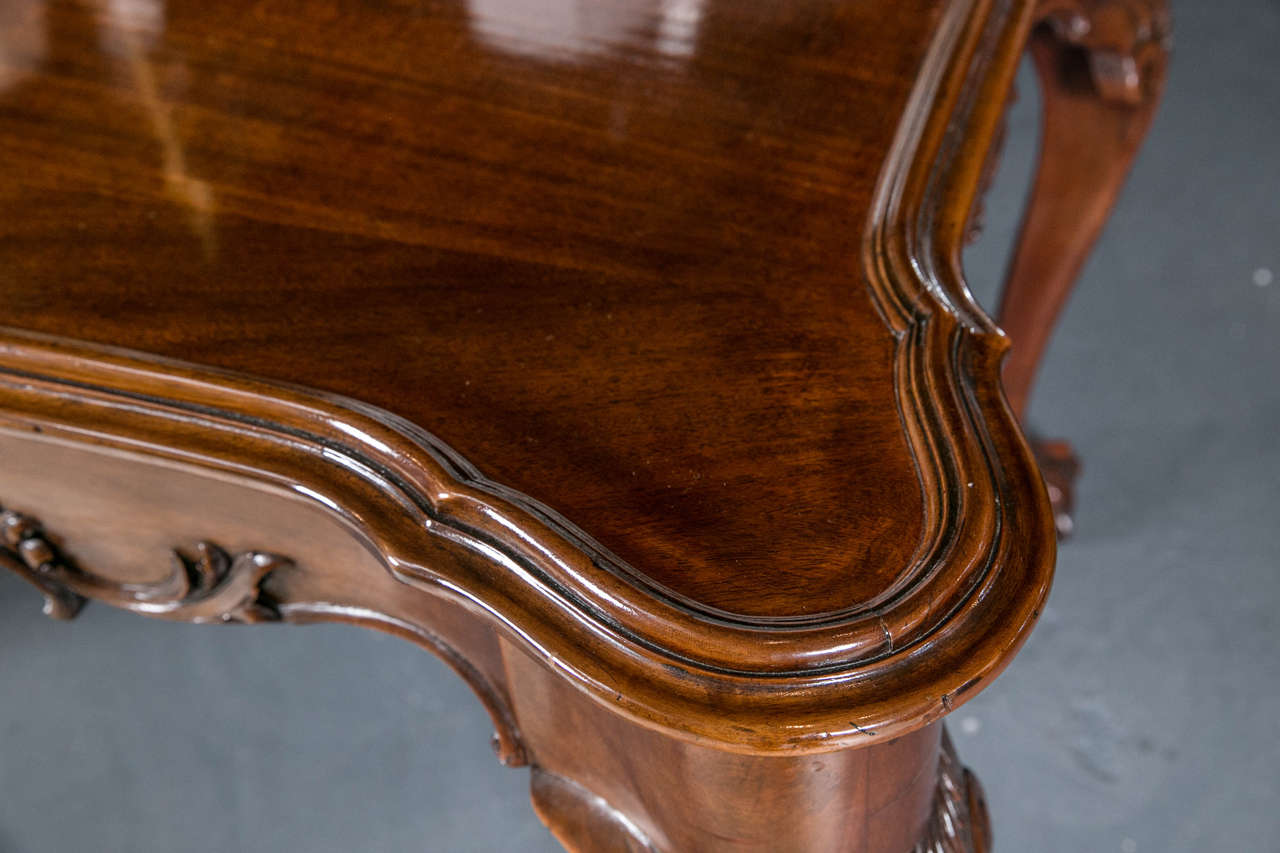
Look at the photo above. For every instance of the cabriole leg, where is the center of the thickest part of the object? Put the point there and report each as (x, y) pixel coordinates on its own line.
(1101, 65)
(602, 782)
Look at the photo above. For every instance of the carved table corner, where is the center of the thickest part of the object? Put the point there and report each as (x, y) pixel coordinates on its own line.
(624, 361)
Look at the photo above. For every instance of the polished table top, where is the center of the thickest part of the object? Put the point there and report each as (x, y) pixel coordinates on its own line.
(680, 279)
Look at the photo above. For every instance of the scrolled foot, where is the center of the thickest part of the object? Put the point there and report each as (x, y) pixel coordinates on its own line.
(1059, 466)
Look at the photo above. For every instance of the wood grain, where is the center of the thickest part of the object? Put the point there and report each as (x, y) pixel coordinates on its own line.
(619, 353)
(620, 280)
(747, 454)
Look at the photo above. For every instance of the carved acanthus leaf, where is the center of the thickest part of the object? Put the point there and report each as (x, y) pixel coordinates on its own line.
(959, 822)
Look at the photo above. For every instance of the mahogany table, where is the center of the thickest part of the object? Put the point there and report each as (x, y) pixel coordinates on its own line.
(617, 351)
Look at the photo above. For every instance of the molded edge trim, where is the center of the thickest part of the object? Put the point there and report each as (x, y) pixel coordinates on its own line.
(978, 581)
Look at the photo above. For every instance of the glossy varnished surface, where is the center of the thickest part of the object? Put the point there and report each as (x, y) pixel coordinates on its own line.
(722, 505)
(692, 283)
(608, 252)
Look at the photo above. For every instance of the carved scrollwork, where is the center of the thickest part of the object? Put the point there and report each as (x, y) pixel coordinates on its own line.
(1123, 41)
(959, 823)
(212, 586)
(26, 552)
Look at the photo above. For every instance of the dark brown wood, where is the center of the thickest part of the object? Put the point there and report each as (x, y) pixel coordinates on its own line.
(707, 425)
(131, 528)
(618, 279)
(1101, 65)
(623, 359)
(600, 780)
(958, 822)
(212, 586)
(635, 789)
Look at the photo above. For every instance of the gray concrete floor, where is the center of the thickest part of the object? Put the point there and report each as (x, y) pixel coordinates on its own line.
(1143, 714)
